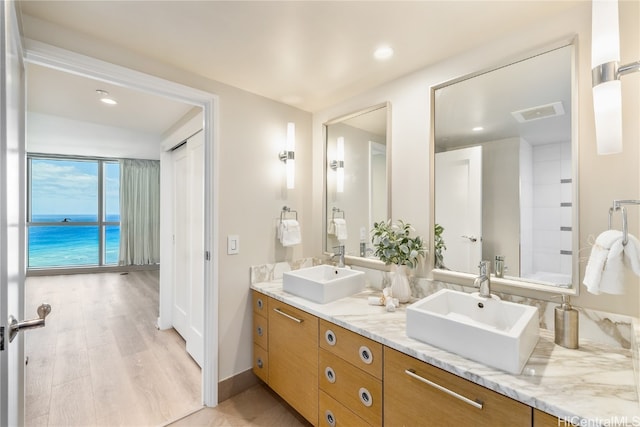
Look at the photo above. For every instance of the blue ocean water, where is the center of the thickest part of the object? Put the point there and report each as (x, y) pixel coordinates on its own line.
(57, 246)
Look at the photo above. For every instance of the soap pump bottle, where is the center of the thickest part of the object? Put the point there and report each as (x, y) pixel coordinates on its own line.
(566, 324)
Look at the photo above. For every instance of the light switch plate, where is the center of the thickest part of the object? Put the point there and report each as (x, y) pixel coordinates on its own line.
(233, 244)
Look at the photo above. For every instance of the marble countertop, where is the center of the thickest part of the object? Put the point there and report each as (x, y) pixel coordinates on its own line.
(591, 386)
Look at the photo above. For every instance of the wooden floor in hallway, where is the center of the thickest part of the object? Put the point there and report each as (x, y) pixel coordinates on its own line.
(257, 406)
(100, 360)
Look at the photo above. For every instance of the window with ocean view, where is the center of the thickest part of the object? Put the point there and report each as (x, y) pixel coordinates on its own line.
(74, 212)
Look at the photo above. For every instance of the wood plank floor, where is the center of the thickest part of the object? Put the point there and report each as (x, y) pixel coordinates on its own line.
(257, 406)
(101, 360)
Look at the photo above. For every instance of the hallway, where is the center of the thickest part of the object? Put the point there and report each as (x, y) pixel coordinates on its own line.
(100, 360)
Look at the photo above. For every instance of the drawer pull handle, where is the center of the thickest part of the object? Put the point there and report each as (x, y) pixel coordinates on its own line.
(259, 303)
(295, 319)
(259, 363)
(365, 355)
(473, 403)
(259, 331)
(329, 418)
(330, 374)
(330, 337)
(365, 397)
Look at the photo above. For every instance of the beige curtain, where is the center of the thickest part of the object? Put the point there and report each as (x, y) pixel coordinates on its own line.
(139, 212)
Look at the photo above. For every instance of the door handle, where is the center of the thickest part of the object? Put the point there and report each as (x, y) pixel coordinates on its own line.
(15, 326)
(472, 239)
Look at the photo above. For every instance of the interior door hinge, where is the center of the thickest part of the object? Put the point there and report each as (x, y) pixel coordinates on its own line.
(1, 338)
(207, 255)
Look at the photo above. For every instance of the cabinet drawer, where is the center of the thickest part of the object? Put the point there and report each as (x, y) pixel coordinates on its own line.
(410, 401)
(333, 414)
(260, 331)
(261, 363)
(260, 303)
(362, 352)
(354, 388)
(542, 419)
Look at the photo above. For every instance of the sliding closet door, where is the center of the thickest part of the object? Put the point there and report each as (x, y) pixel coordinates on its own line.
(181, 237)
(195, 335)
(188, 214)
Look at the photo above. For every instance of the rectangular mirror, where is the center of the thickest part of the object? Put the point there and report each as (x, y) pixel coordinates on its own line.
(357, 151)
(505, 172)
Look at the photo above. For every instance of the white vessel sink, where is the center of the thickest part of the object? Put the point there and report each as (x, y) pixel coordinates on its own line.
(498, 333)
(323, 283)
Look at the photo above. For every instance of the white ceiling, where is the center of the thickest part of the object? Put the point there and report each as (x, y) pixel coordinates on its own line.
(309, 54)
(62, 94)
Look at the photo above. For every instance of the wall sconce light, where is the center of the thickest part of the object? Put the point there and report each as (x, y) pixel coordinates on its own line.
(338, 165)
(288, 155)
(606, 72)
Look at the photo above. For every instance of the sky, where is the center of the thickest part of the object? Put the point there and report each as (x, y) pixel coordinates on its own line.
(70, 187)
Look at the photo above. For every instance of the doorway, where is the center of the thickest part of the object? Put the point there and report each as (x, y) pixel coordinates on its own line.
(49, 56)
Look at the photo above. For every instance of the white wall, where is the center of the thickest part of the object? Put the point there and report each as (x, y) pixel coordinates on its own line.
(601, 178)
(251, 132)
(500, 209)
(49, 134)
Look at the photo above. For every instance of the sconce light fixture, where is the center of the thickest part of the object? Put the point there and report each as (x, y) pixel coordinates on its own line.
(338, 165)
(288, 155)
(606, 72)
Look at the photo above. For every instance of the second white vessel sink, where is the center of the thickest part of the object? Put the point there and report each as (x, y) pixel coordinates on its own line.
(497, 333)
(323, 283)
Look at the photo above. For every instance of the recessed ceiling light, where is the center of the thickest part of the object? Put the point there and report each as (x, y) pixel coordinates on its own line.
(382, 53)
(103, 96)
(477, 129)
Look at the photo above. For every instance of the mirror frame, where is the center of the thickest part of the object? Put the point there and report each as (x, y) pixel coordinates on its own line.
(507, 284)
(351, 259)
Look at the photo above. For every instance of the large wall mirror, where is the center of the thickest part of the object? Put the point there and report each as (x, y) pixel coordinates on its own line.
(357, 151)
(505, 172)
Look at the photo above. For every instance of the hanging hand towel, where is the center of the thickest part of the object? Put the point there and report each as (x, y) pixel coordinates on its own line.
(331, 229)
(289, 232)
(605, 269)
(340, 225)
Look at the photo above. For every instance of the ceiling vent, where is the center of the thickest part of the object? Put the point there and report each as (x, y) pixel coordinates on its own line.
(539, 112)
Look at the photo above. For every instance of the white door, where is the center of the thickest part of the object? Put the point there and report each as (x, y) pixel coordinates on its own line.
(188, 280)
(459, 206)
(181, 252)
(195, 334)
(12, 217)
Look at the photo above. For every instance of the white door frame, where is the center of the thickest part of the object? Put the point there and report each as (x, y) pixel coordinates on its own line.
(53, 57)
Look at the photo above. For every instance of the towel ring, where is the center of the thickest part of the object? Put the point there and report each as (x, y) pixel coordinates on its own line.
(337, 211)
(286, 210)
(618, 206)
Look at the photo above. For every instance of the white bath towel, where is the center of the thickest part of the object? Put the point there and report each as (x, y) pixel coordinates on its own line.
(605, 269)
(340, 229)
(289, 232)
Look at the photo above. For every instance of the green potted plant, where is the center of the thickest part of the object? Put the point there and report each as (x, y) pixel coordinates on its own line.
(393, 245)
(438, 246)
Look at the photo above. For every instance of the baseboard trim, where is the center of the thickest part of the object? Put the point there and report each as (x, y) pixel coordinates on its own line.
(90, 270)
(236, 384)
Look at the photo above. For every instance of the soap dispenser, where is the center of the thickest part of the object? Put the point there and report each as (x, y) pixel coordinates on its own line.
(566, 324)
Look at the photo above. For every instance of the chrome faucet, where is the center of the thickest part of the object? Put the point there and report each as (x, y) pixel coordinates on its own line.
(340, 255)
(483, 281)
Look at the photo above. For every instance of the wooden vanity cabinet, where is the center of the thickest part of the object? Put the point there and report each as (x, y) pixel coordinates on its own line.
(542, 419)
(409, 399)
(260, 336)
(350, 373)
(293, 357)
